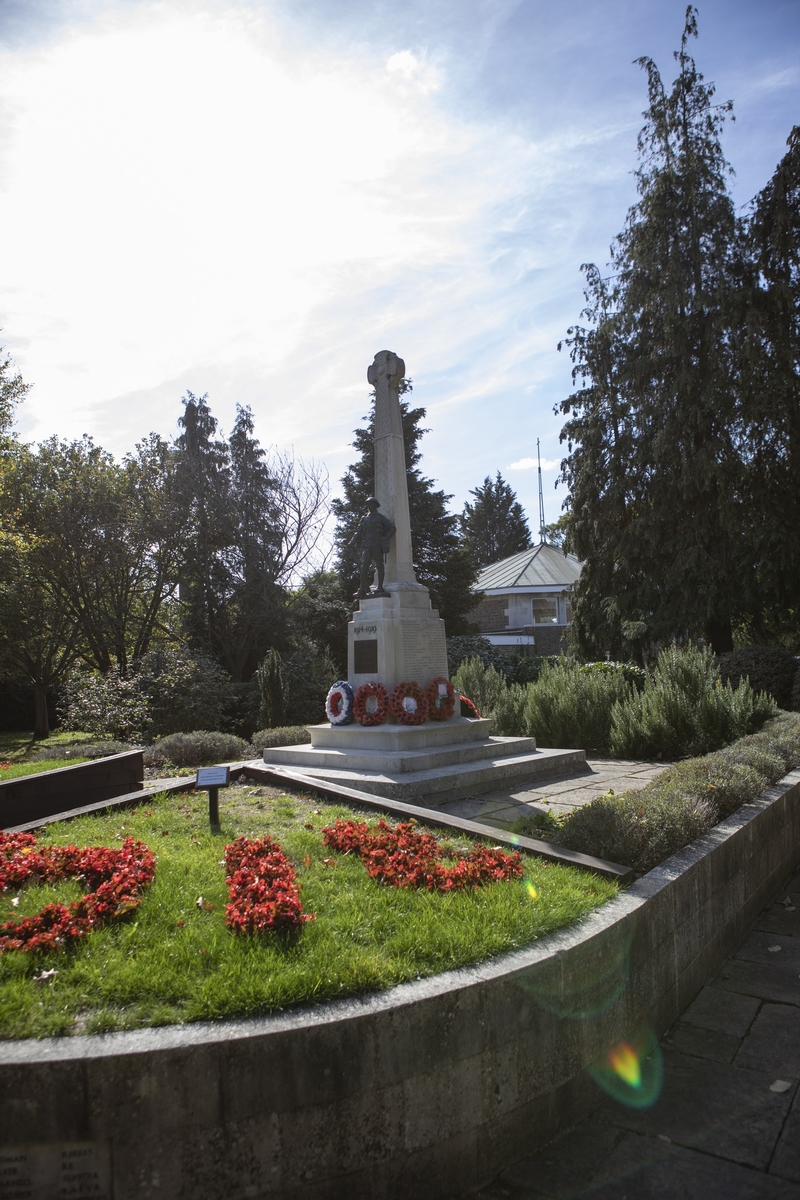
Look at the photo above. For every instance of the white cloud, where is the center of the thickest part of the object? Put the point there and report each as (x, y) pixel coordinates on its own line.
(426, 77)
(527, 464)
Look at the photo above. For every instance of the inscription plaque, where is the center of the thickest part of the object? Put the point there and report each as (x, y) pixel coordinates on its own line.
(424, 651)
(57, 1171)
(365, 656)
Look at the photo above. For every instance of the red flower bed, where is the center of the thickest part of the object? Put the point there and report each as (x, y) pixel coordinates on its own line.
(262, 887)
(404, 857)
(116, 880)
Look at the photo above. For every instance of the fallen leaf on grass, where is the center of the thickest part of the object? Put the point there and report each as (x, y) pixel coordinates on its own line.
(46, 976)
(317, 812)
(196, 841)
(15, 902)
(307, 861)
(204, 905)
(180, 924)
(330, 862)
(308, 827)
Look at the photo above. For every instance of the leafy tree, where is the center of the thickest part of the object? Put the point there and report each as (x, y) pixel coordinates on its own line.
(658, 501)
(319, 608)
(441, 563)
(494, 526)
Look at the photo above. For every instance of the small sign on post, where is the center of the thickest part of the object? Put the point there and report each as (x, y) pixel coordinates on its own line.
(211, 779)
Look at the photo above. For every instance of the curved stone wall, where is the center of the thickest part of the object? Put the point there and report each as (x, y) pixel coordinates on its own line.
(424, 1090)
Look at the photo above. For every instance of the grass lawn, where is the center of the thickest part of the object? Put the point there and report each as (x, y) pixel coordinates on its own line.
(174, 960)
(15, 770)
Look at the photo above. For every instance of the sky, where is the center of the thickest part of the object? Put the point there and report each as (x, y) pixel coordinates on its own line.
(251, 198)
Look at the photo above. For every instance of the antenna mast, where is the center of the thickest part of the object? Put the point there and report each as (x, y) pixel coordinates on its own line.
(542, 538)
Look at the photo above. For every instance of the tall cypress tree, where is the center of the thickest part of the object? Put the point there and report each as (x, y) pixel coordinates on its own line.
(770, 324)
(654, 436)
(494, 526)
(441, 563)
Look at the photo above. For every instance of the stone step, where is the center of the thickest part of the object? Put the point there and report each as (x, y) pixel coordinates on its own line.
(452, 781)
(399, 761)
(400, 737)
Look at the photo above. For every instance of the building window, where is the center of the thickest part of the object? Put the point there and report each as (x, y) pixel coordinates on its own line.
(545, 610)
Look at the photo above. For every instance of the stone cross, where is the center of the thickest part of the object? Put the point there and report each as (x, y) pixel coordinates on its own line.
(391, 484)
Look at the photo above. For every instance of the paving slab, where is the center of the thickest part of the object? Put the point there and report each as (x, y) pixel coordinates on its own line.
(786, 1160)
(711, 1106)
(768, 980)
(773, 1043)
(714, 1008)
(782, 919)
(770, 949)
(643, 1168)
(568, 1165)
(703, 1043)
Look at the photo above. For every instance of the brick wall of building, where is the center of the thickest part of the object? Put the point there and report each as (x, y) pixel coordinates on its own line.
(490, 614)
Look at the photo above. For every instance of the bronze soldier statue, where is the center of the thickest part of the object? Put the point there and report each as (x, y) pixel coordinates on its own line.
(375, 532)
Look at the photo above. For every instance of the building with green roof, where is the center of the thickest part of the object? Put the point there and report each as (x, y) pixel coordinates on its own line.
(526, 599)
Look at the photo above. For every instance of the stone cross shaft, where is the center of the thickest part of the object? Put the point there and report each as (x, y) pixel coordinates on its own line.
(391, 484)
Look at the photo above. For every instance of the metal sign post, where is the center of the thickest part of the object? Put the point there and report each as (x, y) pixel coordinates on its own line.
(211, 779)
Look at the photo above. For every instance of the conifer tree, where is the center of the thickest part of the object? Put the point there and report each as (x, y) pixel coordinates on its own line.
(494, 526)
(654, 464)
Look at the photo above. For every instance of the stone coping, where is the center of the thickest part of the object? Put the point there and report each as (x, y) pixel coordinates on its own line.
(431, 1086)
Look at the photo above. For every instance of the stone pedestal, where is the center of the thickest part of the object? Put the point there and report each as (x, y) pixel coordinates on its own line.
(396, 639)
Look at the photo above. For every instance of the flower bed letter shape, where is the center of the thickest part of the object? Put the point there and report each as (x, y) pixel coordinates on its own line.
(116, 879)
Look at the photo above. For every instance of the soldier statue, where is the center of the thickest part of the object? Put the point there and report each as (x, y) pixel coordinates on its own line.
(374, 531)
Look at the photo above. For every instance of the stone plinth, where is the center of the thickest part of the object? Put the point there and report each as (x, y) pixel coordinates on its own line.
(395, 639)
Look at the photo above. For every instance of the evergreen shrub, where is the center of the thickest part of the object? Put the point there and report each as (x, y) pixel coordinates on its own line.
(462, 649)
(197, 747)
(640, 829)
(770, 669)
(684, 708)
(570, 706)
(482, 683)
(288, 735)
(307, 671)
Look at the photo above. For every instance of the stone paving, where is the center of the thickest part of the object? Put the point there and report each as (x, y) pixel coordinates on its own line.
(557, 795)
(726, 1125)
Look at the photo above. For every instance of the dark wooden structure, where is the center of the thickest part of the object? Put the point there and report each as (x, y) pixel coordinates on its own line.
(32, 797)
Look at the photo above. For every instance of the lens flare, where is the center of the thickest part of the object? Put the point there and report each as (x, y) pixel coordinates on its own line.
(631, 1071)
(531, 890)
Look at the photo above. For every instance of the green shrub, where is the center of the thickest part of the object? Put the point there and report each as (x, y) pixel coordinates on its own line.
(184, 691)
(288, 735)
(770, 669)
(462, 649)
(197, 747)
(630, 672)
(108, 706)
(640, 829)
(484, 685)
(308, 672)
(509, 712)
(569, 706)
(685, 709)
(269, 678)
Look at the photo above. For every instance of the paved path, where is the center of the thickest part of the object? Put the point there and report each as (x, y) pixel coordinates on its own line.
(727, 1123)
(558, 795)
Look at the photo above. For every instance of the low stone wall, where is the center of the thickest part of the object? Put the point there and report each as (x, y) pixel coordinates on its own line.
(424, 1090)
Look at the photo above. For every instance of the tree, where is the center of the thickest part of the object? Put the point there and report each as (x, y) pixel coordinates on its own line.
(253, 522)
(494, 526)
(770, 328)
(658, 497)
(441, 563)
(319, 608)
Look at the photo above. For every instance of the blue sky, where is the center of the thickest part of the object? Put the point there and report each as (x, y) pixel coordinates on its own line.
(250, 199)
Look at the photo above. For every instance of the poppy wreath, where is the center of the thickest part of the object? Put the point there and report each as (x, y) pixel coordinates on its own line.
(263, 889)
(115, 878)
(404, 857)
(339, 703)
(441, 697)
(408, 704)
(364, 712)
(468, 709)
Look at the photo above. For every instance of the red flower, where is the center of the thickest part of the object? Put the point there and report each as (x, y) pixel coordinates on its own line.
(404, 857)
(262, 887)
(116, 880)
